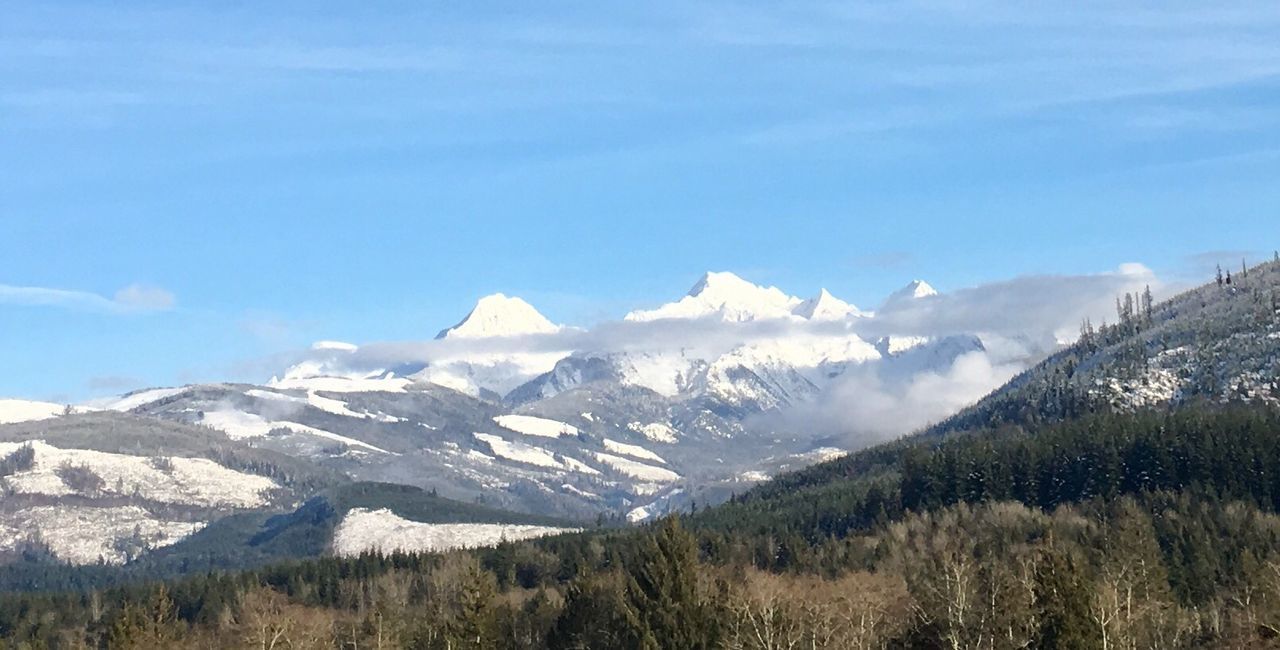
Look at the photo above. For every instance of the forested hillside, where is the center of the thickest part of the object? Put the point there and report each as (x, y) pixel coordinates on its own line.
(1144, 530)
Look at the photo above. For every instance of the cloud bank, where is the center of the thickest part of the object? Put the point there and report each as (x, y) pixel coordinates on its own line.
(131, 299)
(1017, 321)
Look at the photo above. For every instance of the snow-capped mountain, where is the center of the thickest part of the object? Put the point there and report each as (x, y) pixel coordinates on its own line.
(497, 315)
(508, 406)
(726, 297)
(825, 306)
(496, 372)
(915, 290)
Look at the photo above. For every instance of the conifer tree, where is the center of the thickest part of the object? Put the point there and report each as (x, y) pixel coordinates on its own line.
(662, 589)
(1062, 602)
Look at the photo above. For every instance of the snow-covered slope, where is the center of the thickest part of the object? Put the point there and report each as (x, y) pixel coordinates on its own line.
(727, 297)
(171, 480)
(499, 315)
(826, 307)
(363, 530)
(915, 290)
(20, 410)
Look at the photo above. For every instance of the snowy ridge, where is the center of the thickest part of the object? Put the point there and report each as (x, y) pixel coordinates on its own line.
(637, 469)
(362, 530)
(915, 290)
(520, 452)
(826, 307)
(20, 410)
(634, 451)
(239, 425)
(535, 426)
(498, 315)
(143, 398)
(185, 481)
(727, 297)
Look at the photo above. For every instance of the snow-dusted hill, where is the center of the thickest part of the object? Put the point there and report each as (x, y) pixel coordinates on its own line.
(109, 487)
(363, 530)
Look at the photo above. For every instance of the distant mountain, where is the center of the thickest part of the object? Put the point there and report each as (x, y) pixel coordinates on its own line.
(498, 315)
(633, 419)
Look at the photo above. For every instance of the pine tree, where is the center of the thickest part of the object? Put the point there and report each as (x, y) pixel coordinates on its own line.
(596, 614)
(662, 589)
(1062, 601)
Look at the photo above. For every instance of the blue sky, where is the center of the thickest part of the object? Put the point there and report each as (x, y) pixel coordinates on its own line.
(187, 190)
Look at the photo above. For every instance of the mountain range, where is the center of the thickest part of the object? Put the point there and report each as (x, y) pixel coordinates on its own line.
(683, 403)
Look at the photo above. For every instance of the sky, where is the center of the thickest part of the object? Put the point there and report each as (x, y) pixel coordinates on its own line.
(187, 191)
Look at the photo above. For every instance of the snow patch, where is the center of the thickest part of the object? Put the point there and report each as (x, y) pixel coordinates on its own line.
(85, 534)
(188, 481)
(535, 426)
(143, 398)
(655, 431)
(362, 530)
(636, 469)
(20, 410)
(520, 452)
(635, 451)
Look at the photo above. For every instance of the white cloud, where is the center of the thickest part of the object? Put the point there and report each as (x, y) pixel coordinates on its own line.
(145, 298)
(133, 298)
(864, 408)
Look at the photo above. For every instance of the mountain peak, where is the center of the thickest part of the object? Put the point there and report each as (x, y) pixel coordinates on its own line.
(825, 306)
(499, 315)
(915, 290)
(721, 282)
(726, 296)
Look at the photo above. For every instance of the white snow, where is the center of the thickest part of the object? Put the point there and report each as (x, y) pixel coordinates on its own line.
(143, 398)
(272, 395)
(498, 315)
(191, 481)
(915, 290)
(726, 297)
(332, 384)
(898, 344)
(20, 410)
(637, 515)
(655, 431)
(329, 435)
(331, 374)
(85, 534)
(826, 307)
(362, 530)
(493, 371)
(579, 466)
(582, 493)
(535, 426)
(518, 451)
(635, 451)
(239, 425)
(665, 373)
(636, 469)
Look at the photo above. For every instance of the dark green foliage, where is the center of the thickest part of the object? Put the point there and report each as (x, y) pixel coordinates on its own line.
(662, 590)
(1062, 601)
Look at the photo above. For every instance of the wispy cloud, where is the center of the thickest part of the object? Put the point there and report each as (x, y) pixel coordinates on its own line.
(135, 298)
